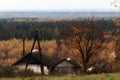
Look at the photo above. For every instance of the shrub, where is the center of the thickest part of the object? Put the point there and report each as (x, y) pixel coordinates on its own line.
(9, 71)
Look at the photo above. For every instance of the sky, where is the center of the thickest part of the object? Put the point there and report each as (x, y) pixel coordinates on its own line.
(52, 5)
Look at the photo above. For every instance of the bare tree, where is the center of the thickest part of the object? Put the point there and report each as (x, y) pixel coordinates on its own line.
(86, 38)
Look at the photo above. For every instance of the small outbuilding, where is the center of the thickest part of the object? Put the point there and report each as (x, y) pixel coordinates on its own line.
(66, 66)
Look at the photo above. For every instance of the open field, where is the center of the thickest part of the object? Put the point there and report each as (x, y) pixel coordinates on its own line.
(110, 76)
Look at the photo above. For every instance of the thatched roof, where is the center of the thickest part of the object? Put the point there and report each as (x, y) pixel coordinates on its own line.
(34, 58)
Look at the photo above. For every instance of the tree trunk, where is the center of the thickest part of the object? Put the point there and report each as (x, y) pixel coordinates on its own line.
(84, 65)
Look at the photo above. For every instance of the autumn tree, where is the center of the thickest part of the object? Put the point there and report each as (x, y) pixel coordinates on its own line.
(116, 3)
(117, 42)
(86, 38)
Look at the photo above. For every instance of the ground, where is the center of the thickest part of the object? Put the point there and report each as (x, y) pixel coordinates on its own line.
(110, 76)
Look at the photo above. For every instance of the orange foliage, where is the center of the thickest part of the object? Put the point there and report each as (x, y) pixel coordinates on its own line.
(11, 50)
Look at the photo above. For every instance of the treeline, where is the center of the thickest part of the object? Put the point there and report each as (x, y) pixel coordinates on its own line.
(48, 30)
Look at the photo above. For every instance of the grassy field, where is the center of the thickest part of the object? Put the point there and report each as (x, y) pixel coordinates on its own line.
(110, 76)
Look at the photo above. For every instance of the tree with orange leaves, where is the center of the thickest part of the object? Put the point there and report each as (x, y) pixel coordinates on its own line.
(86, 38)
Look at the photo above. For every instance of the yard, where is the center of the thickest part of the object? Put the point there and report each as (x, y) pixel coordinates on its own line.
(110, 76)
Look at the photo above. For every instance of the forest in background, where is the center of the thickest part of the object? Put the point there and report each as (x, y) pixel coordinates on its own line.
(12, 31)
(48, 28)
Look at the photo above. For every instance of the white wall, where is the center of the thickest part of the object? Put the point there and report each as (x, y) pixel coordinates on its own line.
(34, 68)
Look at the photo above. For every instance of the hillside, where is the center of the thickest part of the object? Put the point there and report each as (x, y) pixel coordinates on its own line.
(62, 14)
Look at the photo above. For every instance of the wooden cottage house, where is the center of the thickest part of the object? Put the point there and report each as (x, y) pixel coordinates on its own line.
(34, 63)
(35, 60)
(66, 66)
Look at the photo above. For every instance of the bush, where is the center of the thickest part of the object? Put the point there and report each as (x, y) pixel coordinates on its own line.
(9, 71)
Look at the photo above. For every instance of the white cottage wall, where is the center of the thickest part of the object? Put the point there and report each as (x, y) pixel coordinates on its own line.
(34, 68)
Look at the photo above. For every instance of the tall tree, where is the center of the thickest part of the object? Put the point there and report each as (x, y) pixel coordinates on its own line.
(86, 38)
(117, 44)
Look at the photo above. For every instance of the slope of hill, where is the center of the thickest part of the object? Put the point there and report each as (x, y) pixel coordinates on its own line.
(57, 14)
